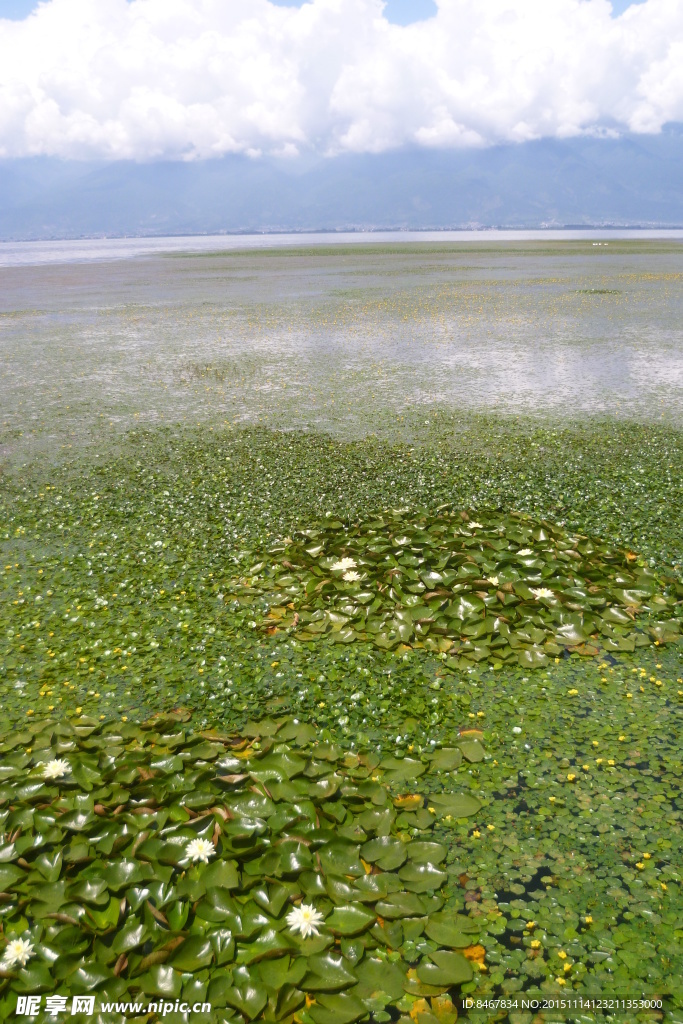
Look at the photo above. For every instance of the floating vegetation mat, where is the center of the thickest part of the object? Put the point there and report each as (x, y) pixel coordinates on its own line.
(265, 872)
(502, 588)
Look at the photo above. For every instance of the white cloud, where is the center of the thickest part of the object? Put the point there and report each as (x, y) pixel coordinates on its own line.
(193, 79)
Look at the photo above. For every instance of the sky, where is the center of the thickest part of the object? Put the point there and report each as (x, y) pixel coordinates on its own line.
(189, 80)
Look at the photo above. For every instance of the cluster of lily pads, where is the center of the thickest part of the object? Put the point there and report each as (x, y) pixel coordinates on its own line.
(505, 589)
(266, 872)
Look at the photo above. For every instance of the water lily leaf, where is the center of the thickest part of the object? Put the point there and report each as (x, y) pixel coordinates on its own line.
(339, 1008)
(249, 998)
(268, 944)
(385, 851)
(326, 973)
(426, 852)
(339, 858)
(451, 930)
(447, 759)
(221, 874)
(399, 905)
(194, 953)
(447, 968)
(472, 750)
(350, 919)
(132, 935)
(457, 805)
(421, 877)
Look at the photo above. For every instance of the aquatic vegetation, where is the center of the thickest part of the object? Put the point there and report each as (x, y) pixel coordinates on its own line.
(463, 588)
(176, 864)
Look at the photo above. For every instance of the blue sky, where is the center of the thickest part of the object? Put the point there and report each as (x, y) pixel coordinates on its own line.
(401, 12)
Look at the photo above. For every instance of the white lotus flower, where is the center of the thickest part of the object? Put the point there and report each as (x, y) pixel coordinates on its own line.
(351, 576)
(541, 593)
(345, 563)
(476, 526)
(56, 769)
(305, 919)
(525, 551)
(494, 580)
(17, 951)
(200, 849)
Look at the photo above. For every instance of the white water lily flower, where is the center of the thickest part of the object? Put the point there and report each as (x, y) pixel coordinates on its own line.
(516, 729)
(17, 951)
(541, 593)
(305, 919)
(345, 563)
(200, 849)
(525, 551)
(351, 576)
(494, 580)
(56, 769)
(476, 526)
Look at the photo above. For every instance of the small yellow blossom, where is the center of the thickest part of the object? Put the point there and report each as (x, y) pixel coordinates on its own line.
(611, 762)
(321, 704)
(599, 760)
(640, 865)
(560, 981)
(535, 943)
(570, 776)
(573, 693)
(30, 711)
(476, 834)
(124, 718)
(585, 767)
(629, 694)
(664, 886)
(595, 743)
(552, 799)
(531, 925)
(588, 919)
(480, 714)
(621, 739)
(491, 828)
(567, 968)
(432, 810)
(78, 710)
(562, 955)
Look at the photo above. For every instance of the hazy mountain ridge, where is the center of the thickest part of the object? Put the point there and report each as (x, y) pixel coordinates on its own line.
(633, 180)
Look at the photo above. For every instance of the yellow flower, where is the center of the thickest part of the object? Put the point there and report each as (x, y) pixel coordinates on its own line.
(432, 810)
(480, 714)
(124, 718)
(664, 886)
(531, 925)
(585, 767)
(610, 762)
(646, 856)
(570, 776)
(588, 919)
(560, 981)
(629, 694)
(78, 710)
(562, 955)
(30, 711)
(321, 704)
(599, 760)
(476, 834)
(640, 865)
(595, 743)
(567, 968)
(552, 799)
(573, 693)
(535, 943)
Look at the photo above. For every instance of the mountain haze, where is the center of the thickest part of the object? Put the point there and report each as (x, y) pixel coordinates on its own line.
(631, 180)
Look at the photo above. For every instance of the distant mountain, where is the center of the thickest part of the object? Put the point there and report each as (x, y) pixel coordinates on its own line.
(633, 180)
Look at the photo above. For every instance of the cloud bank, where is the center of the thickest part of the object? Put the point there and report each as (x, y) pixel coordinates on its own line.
(194, 79)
